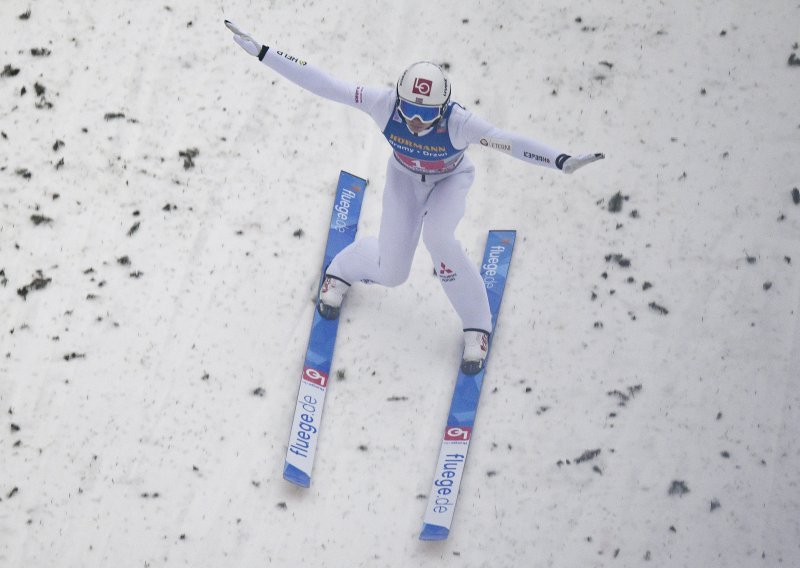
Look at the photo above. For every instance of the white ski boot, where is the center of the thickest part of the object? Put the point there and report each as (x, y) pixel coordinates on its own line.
(476, 348)
(331, 295)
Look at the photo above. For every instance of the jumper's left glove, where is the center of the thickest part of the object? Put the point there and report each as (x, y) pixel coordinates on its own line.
(244, 40)
(576, 162)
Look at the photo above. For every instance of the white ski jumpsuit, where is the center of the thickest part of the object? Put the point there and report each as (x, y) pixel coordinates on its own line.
(422, 196)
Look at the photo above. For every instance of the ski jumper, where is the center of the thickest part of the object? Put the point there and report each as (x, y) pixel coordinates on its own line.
(427, 181)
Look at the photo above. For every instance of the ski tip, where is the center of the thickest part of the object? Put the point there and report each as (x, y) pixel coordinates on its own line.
(508, 235)
(345, 172)
(296, 476)
(433, 532)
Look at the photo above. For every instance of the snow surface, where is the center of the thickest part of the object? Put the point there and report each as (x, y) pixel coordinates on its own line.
(147, 390)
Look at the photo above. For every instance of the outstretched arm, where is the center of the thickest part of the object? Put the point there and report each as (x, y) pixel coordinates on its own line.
(309, 77)
(474, 130)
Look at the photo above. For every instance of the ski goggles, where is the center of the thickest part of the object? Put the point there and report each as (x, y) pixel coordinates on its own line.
(410, 111)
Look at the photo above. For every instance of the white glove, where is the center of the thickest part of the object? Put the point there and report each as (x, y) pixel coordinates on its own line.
(244, 40)
(576, 162)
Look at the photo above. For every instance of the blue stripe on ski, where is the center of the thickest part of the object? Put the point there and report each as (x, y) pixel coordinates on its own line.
(294, 475)
(466, 395)
(322, 340)
(344, 217)
(434, 532)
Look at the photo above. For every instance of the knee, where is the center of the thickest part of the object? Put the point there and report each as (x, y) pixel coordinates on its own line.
(437, 238)
(392, 276)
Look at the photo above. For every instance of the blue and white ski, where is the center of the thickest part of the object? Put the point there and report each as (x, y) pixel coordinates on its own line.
(464, 404)
(317, 365)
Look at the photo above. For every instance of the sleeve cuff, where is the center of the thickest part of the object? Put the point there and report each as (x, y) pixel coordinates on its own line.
(561, 159)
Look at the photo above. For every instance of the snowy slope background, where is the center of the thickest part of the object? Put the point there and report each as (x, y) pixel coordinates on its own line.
(163, 210)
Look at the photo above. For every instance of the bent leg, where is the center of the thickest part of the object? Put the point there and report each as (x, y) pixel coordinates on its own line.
(386, 260)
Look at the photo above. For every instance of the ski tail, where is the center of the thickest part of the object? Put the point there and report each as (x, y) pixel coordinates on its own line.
(322, 340)
(464, 404)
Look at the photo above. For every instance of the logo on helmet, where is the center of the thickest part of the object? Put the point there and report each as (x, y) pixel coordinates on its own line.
(422, 87)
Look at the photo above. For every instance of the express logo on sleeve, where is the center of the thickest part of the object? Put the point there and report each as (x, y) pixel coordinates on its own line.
(422, 87)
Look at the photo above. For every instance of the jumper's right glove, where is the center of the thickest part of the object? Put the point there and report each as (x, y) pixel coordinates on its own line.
(244, 40)
(575, 162)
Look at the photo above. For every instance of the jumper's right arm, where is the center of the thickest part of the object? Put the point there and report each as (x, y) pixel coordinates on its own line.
(309, 77)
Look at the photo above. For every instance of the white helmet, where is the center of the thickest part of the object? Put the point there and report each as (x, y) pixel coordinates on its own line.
(423, 91)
